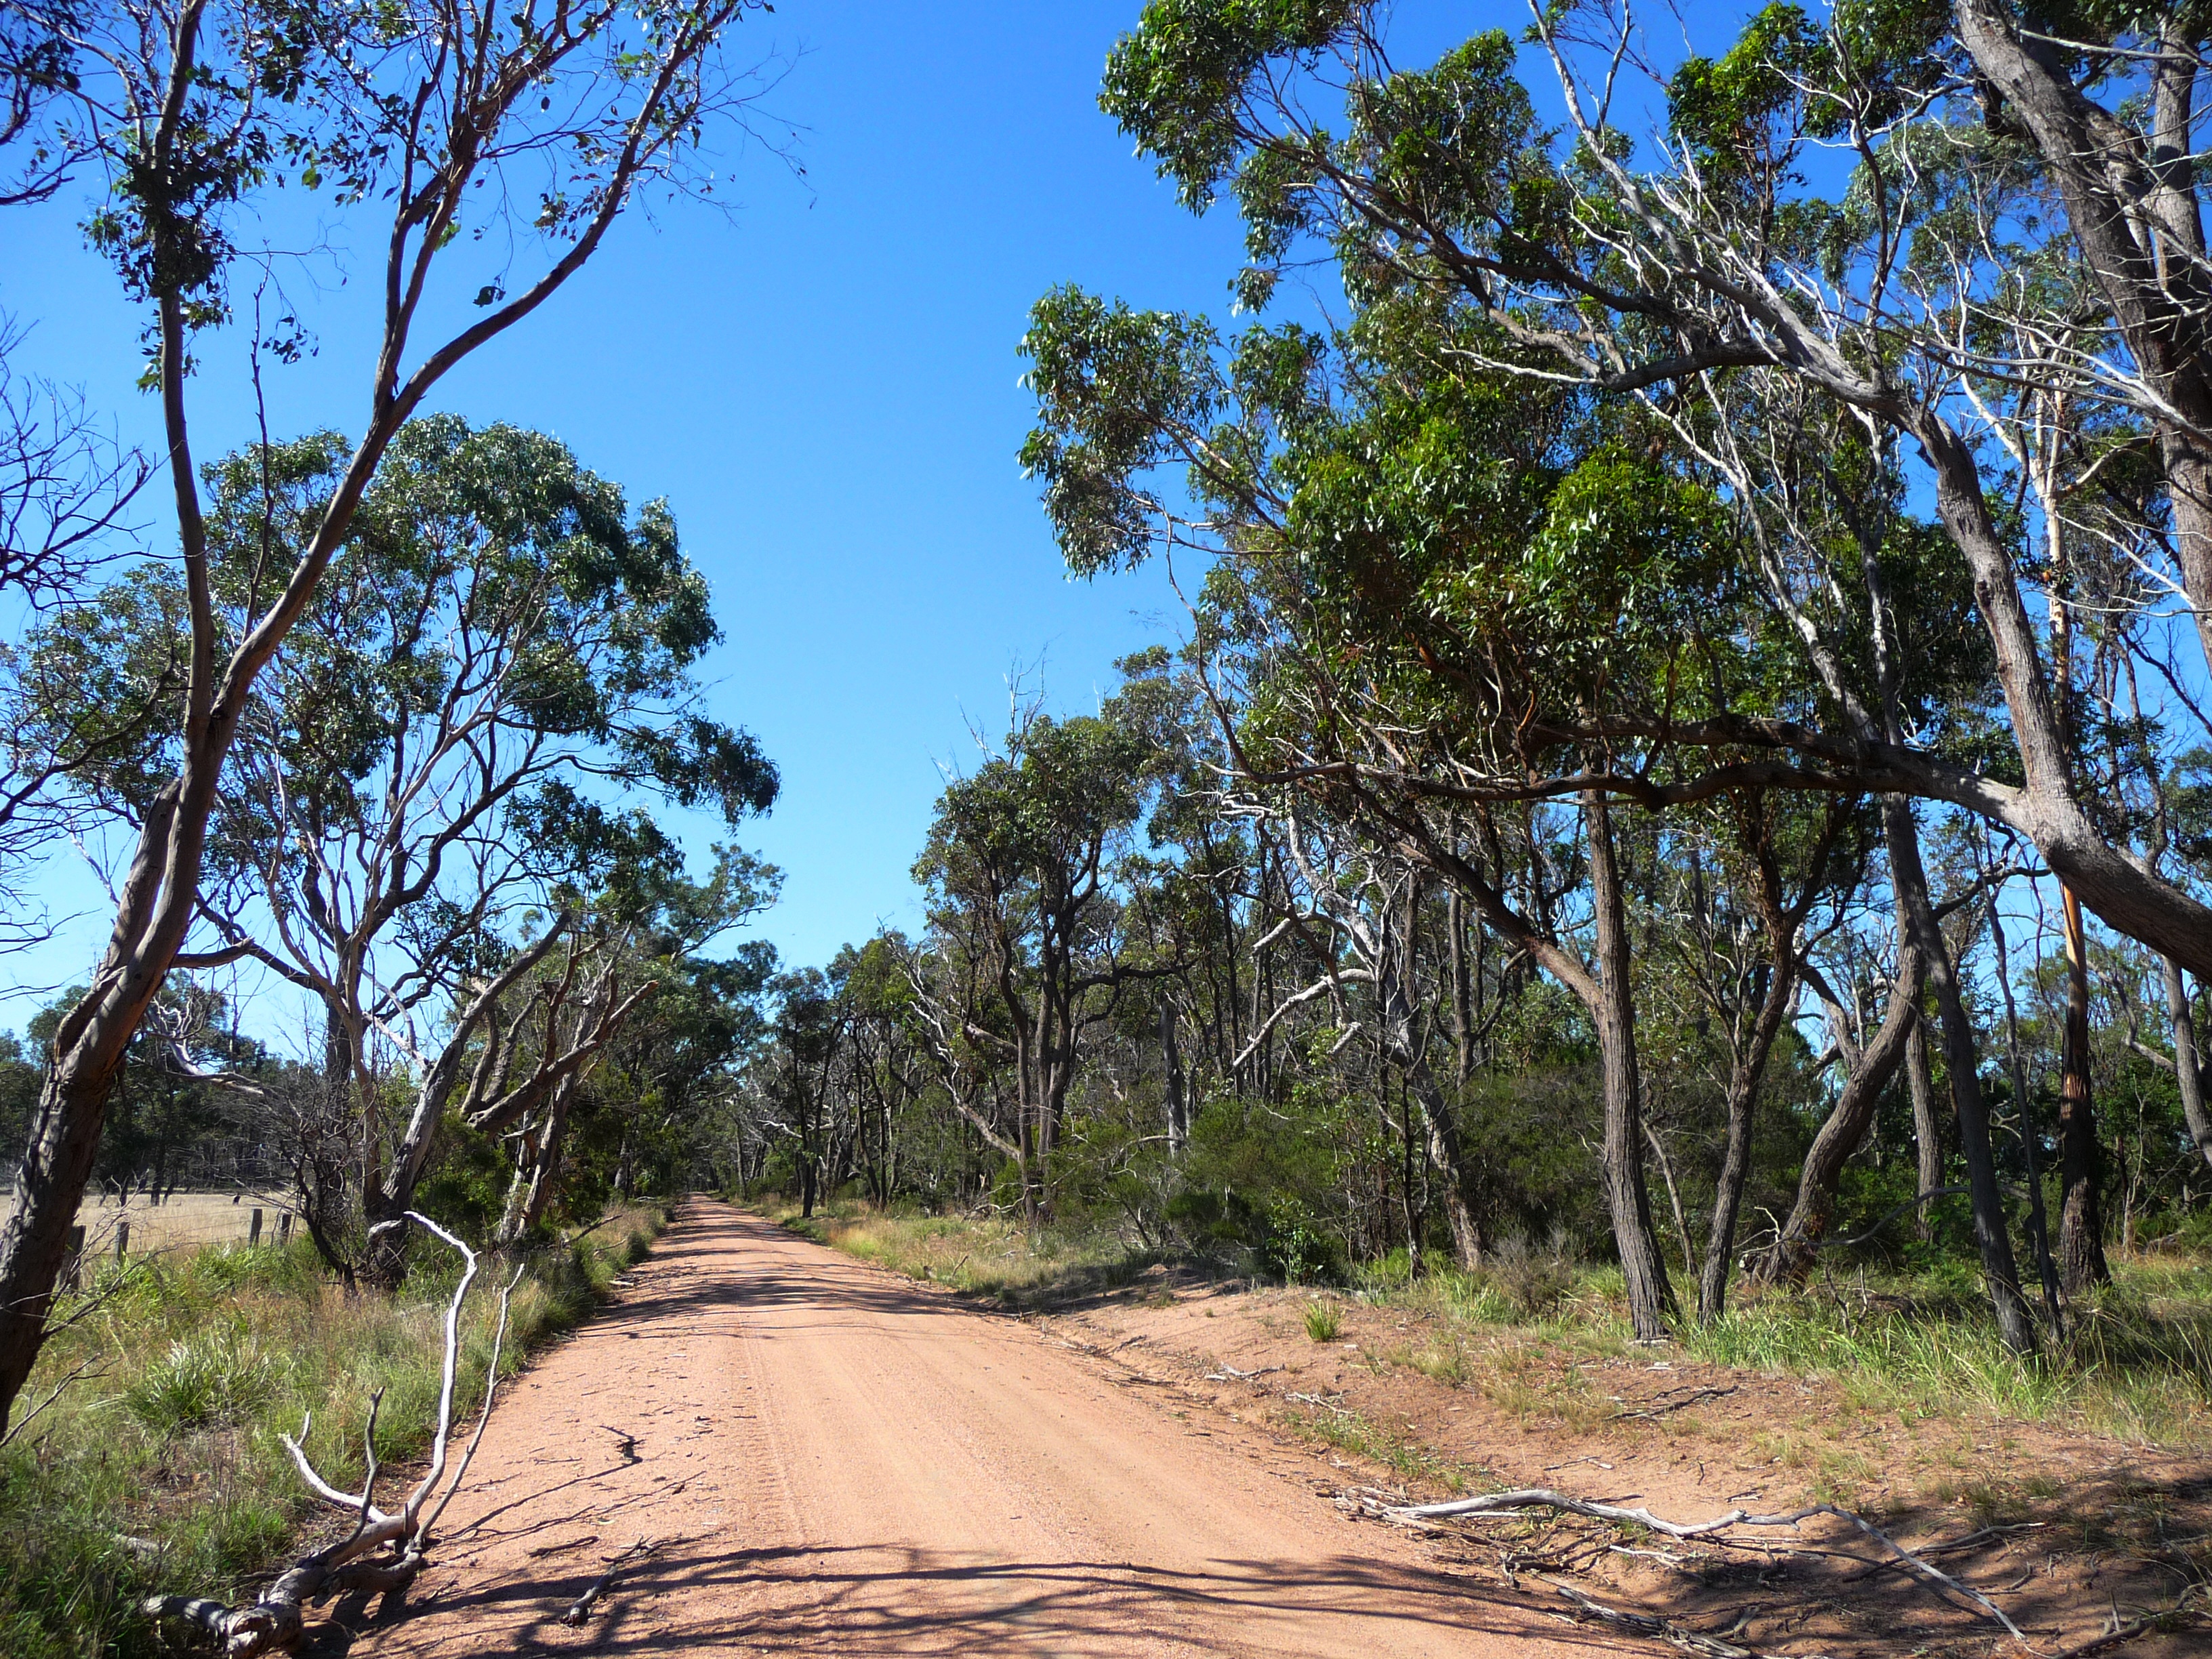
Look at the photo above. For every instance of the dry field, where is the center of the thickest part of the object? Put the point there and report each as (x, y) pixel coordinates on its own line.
(183, 1220)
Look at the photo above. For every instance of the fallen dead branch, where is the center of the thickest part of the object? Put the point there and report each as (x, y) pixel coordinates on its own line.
(1649, 1624)
(1692, 1397)
(580, 1609)
(562, 1549)
(273, 1623)
(2121, 1633)
(1523, 1499)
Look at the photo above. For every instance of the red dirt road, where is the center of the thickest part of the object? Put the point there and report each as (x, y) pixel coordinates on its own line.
(833, 1461)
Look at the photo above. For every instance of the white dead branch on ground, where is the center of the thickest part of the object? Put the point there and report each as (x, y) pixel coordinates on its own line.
(1523, 1499)
(273, 1623)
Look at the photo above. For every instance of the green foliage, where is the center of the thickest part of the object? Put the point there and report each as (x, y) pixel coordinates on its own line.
(1323, 1322)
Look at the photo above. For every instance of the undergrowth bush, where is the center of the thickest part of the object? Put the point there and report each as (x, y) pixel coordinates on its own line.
(194, 1365)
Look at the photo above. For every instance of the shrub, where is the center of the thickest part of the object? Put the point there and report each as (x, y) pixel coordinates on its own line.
(1534, 1282)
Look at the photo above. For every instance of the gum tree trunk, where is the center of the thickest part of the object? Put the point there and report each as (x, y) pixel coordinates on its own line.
(1650, 1296)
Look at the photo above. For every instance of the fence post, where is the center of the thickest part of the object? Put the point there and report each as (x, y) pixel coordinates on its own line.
(122, 1238)
(73, 1264)
(284, 1227)
(254, 1232)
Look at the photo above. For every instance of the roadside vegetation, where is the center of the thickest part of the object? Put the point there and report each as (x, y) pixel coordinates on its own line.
(158, 1469)
(2137, 1364)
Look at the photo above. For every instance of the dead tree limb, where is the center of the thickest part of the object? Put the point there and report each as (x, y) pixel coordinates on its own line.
(1527, 1498)
(1648, 1624)
(273, 1623)
(580, 1609)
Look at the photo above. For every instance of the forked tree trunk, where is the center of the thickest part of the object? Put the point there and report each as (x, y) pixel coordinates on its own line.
(1744, 1079)
(1992, 1238)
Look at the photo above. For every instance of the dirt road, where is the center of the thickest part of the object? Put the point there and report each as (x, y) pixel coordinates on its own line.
(833, 1461)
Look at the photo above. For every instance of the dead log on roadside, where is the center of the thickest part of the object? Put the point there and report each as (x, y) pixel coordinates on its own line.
(1525, 1498)
(273, 1623)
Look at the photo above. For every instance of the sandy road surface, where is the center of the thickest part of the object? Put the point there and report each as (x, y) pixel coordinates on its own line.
(833, 1461)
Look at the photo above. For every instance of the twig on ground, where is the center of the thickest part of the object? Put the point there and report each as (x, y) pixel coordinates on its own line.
(580, 1609)
(1694, 1397)
(1647, 1624)
(1230, 1374)
(2127, 1633)
(562, 1549)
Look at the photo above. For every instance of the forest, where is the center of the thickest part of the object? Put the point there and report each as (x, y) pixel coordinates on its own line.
(1684, 760)
(1688, 745)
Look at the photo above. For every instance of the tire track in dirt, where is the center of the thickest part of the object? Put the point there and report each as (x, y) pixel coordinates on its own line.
(832, 1460)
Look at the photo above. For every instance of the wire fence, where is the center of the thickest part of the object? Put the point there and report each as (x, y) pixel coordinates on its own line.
(180, 1222)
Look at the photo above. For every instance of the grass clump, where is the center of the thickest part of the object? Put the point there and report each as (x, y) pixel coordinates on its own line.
(209, 1377)
(1323, 1322)
(2135, 1362)
(193, 1364)
(981, 1255)
(1404, 1456)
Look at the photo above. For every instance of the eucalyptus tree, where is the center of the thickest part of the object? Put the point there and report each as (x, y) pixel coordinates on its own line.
(1744, 948)
(193, 114)
(1022, 878)
(1359, 915)
(1438, 595)
(1648, 282)
(1658, 276)
(68, 495)
(680, 1054)
(499, 644)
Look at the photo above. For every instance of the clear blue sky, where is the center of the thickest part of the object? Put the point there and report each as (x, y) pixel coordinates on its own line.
(825, 390)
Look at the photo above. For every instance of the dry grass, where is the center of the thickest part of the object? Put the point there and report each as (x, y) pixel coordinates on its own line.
(981, 1255)
(196, 1361)
(182, 1221)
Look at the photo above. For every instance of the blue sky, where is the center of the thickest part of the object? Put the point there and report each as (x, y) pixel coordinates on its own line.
(825, 388)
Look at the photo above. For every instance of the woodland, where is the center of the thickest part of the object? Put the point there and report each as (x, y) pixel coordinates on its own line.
(1687, 756)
